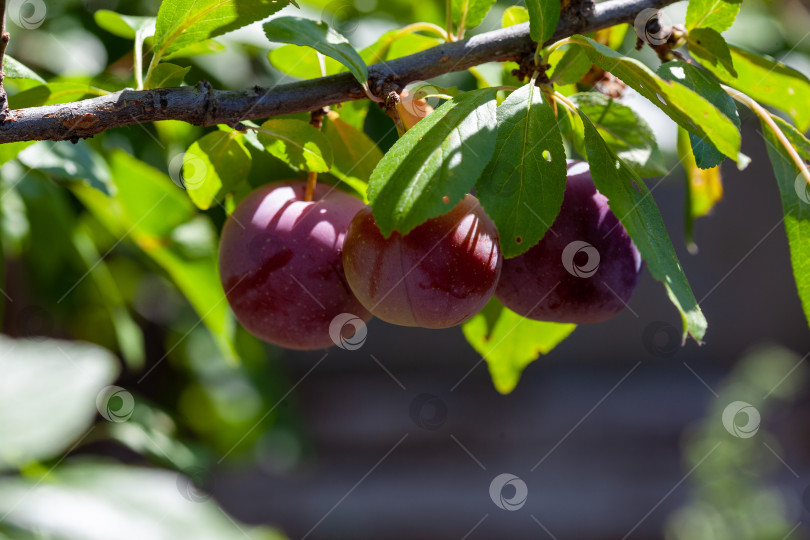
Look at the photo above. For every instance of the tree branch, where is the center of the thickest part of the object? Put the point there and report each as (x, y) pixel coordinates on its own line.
(202, 105)
(4, 38)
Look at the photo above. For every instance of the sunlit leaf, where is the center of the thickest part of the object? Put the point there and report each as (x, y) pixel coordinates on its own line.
(522, 187)
(319, 36)
(509, 342)
(630, 199)
(296, 143)
(435, 163)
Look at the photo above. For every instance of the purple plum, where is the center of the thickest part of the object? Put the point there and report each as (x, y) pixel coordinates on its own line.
(438, 275)
(585, 268)
(280, 264)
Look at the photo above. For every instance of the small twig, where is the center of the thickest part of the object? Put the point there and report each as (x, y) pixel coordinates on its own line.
(316, 121)
(765, 116)
(4, 37)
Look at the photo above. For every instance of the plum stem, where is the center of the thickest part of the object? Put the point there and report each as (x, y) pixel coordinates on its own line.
(309, 192)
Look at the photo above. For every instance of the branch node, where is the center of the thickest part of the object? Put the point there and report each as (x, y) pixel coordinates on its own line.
(316, 117)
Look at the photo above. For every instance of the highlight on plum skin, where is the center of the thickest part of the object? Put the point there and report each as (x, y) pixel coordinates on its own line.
(438, 275)
(280, 263)
(584, 269)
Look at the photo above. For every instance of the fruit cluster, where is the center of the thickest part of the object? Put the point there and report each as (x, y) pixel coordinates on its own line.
(291, 267)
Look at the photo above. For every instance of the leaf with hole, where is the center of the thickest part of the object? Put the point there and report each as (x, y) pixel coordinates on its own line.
(522, 187)
(435, 163)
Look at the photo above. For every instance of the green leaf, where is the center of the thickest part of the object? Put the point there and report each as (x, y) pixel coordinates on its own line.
(543, 18)
(69, 161)
(356, 155)
(146, 210)
(214, 165)
(430, 168)
(769, 82)
(393, 44)
(14, 69)
(706, 155)
(569, 66)
(136, 502)
(199, 48)
(9, 151)
(470, 13)
(716, 14)
(296, 143)
(633, 204)
(795, 202)
(514, 15)
(125, 26)
(704, 187)
(181, 23)
(687, 108)
(624, 131)
(48, 396)
(509, 342)
(320, 37)
(128, 334)
(302, 62)
(522, 187)
(167, 75)
(52, 93)
(710, 47)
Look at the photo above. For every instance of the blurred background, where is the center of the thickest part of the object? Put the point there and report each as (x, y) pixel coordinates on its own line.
(617, 433)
